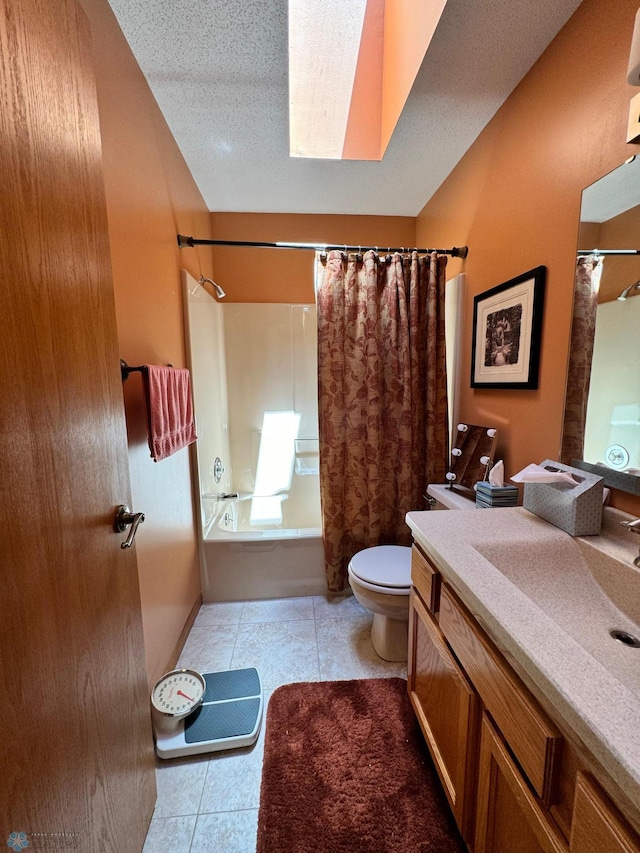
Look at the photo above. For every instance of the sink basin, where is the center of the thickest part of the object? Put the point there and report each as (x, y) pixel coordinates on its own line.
(587, 591)
(618, 579)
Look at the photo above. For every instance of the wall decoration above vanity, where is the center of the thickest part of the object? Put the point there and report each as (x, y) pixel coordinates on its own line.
(507, 325)
(602, 407)
(471, 455)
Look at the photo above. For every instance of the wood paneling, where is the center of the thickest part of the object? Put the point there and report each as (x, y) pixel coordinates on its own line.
(77, 751)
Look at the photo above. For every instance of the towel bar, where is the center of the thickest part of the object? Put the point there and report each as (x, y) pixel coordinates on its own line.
(125, 370)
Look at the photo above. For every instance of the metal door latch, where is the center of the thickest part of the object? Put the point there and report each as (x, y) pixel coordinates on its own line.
(124, 517)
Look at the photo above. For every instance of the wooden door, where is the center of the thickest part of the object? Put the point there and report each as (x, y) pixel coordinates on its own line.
(76, 752)
(446, 707)
(509, 818)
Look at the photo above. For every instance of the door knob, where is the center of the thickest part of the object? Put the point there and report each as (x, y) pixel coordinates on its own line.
(124, 517)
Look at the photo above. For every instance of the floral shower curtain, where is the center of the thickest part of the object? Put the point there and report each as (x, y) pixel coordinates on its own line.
(382, 398)
(585, 304)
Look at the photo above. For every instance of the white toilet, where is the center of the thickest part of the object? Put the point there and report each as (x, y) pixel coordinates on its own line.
(380, 578)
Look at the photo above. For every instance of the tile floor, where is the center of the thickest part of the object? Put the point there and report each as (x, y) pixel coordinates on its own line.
(210, 803)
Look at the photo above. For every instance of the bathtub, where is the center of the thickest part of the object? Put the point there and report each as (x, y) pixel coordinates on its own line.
(242, 563)
(245, 360)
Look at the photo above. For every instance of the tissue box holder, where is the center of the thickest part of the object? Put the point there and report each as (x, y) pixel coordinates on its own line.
(575, 509)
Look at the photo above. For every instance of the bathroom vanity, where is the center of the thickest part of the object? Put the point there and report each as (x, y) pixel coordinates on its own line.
(530, 708)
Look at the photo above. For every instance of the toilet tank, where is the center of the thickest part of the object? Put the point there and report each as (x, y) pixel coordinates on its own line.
(447, 498)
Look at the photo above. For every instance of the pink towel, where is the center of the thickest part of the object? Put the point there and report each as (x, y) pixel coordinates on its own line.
(169, 409)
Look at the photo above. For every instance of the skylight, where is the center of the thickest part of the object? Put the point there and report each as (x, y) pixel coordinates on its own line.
(352, 64)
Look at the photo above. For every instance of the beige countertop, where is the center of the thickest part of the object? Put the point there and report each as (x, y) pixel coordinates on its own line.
(530, 586)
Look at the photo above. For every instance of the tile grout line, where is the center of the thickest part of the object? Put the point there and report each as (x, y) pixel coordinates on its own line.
(193, 834)
(209, 762)
(235, 640)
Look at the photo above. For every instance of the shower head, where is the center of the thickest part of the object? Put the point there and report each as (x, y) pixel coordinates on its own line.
(625, 292)
(219, 291)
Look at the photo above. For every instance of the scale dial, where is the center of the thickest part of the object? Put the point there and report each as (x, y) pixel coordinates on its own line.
(177, 694)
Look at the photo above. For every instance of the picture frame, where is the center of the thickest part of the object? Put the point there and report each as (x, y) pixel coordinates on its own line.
(507, 328)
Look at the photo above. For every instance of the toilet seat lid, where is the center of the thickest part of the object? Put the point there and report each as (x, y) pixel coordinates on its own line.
(384, 565)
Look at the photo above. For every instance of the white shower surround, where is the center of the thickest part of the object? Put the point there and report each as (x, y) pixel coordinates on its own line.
(238, 562)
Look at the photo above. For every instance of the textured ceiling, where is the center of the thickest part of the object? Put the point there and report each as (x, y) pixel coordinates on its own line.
(218, 69)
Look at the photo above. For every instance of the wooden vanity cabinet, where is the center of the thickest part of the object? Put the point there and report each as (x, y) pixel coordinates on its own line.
(532, 737)
(426, 579)
(509, 817)
(447, 710)
(513, 783)
(597, 827)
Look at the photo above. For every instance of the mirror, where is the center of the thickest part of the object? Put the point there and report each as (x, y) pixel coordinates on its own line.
(610, 223)
(471, 455)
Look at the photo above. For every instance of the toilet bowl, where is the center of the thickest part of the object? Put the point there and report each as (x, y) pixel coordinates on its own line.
(380, 578)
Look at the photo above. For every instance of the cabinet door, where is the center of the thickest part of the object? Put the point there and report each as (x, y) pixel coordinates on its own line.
(445, 704)
(509, 817)
(597, 826)
(532, 737)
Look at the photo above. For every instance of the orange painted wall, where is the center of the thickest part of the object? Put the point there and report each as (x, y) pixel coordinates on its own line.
(514, 199)
(276, 275)
(362, 136)
(151, 196)
(408, 29)
(620, 232)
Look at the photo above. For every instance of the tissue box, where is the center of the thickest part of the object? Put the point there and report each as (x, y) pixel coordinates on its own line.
(494, 496)
(575, 509)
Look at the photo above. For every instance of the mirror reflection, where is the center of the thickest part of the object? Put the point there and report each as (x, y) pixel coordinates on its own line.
(602, 416)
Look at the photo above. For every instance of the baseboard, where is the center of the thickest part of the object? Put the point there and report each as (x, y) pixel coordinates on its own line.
(188, 625)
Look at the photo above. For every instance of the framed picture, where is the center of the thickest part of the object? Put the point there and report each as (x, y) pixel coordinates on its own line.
(507, 324)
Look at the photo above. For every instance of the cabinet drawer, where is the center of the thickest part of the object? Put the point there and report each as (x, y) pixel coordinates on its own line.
(426, 579)
(533, 738)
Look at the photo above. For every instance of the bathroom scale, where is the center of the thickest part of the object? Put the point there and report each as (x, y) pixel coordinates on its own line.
(196, 712)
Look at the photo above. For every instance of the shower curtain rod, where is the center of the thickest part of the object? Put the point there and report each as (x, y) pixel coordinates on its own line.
(184, 242)
(582, 252)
